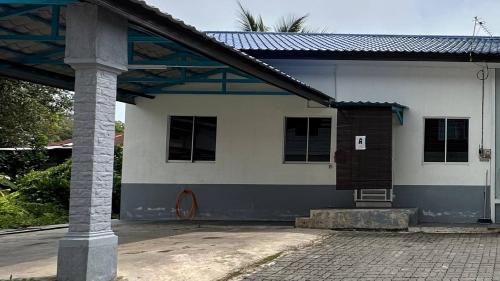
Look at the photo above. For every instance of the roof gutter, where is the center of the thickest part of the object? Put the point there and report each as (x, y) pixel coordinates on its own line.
(164, 25)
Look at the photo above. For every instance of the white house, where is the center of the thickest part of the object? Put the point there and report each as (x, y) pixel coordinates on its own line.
(249, 154)
(401, 121)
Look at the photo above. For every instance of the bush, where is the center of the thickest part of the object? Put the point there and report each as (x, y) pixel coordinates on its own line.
(53, 185)
(14, 212)
(117, 179)
(19, 162)
(47, 186)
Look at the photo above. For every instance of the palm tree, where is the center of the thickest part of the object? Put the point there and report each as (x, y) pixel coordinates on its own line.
(249, 22)
(290, 23)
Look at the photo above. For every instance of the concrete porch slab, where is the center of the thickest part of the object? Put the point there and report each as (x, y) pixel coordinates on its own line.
(360, 218)
(163, 250)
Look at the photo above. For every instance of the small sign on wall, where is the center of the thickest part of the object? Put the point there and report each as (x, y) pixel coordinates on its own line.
(360, 143)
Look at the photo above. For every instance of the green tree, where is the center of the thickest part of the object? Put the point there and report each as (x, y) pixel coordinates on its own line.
(119, 127)
(32, 116)
(291, 23)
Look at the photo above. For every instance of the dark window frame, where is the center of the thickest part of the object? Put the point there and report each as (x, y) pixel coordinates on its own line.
(329, 161)
(169, 119)
(446, 118)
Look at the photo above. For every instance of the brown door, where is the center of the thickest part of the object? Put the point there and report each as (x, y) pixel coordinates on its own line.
(367, 165)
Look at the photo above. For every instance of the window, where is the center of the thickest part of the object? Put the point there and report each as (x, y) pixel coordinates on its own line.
(446, 140)
(192, 138)
(307, 139)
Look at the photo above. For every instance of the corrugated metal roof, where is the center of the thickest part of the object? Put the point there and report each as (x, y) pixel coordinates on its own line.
(323, 42)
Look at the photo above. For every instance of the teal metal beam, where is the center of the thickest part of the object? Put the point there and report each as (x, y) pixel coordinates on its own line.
(54, 24)
(205, 75)
(24, 37)
(19, 11)
(158, 79)
(178, 63)
(201, 92)
(224, 82)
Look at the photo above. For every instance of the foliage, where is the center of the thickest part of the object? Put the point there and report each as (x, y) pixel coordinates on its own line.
(32, 116)
(249, 22)
(16, 212)
(5, 183)
(290, 23)
(117, 179)
(19, 162)
(47, 186)
(119, 127)
(53, 184)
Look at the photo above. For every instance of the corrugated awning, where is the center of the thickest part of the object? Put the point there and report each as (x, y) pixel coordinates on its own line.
(396, 108)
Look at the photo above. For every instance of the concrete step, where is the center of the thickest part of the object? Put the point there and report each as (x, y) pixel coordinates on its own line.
(357, 218)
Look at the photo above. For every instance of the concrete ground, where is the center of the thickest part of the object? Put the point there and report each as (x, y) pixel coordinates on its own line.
(162, 251)
(389, 256)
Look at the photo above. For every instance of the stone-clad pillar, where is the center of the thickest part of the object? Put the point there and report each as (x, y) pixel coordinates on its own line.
(96, 48)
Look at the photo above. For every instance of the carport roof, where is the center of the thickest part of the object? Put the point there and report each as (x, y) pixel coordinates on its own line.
(164, 53)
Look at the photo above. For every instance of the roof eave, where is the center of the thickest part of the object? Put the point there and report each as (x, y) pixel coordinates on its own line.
(380, 56)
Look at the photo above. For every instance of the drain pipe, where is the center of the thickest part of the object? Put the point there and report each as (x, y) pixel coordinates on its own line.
(485, 219)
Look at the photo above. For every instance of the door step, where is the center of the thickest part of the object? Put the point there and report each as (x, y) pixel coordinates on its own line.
(367, 219)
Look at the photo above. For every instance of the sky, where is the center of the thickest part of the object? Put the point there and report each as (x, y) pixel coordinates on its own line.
(437, 17)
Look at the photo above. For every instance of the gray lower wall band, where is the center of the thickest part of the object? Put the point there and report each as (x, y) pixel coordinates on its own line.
(442, 204)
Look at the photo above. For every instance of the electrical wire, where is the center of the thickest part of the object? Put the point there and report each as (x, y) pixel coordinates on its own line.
(482, 75)
(484, 72)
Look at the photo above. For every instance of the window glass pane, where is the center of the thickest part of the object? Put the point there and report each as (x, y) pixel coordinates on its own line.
(205, 129)
(457, 140)
(179, 145)
(319, 139)
(434, 140)
(295, 139)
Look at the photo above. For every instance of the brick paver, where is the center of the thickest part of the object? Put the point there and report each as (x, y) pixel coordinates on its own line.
(390, 256)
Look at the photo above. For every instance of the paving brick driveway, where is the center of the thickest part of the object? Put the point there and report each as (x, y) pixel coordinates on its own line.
(390, 256)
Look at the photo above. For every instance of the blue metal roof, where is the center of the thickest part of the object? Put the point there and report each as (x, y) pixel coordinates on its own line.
(323, 42)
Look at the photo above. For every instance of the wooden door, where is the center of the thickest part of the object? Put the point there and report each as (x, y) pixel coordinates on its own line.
(368, 165)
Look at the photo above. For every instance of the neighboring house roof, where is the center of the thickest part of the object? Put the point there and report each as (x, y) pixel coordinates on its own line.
(64, 144)
(361, 46)
(69, 142)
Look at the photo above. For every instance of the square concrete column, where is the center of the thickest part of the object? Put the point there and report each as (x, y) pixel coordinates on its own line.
(96, 48)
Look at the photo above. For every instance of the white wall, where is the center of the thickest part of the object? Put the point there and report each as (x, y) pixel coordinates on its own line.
(317, 73)
(428, 91)
(249, 141)
(250, 128)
